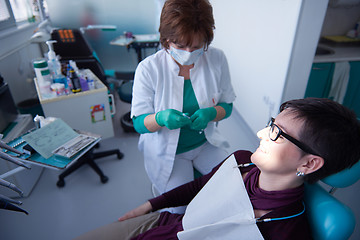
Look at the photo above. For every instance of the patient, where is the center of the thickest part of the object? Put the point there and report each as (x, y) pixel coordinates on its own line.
(309, 140)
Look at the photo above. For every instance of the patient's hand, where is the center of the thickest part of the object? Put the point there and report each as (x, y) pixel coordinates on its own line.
(141, 210)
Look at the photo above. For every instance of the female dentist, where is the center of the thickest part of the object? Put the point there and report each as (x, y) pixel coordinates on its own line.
(179, 95)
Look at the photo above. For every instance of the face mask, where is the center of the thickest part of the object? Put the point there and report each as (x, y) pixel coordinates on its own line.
(184, 57)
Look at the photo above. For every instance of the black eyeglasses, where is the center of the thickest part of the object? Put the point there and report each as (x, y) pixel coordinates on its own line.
(275, 132)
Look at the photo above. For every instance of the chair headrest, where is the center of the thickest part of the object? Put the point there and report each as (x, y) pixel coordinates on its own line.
(344, 178)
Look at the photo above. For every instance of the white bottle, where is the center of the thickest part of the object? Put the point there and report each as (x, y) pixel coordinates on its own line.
(42, 71)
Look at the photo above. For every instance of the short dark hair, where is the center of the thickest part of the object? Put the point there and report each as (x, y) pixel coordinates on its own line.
(329, 128)
(180, 20)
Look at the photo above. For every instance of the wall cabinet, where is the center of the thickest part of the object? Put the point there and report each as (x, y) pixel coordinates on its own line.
(320, 80)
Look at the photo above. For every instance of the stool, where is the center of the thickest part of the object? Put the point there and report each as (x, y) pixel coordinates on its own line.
(125, 94)
(89, 158)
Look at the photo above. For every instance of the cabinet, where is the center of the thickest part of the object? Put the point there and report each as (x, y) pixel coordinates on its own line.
(89, 110)
(320, 80)
(352, 97)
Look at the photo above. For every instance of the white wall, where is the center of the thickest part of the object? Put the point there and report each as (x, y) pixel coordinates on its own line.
(260, 40)
(16, 55)
(304, 47)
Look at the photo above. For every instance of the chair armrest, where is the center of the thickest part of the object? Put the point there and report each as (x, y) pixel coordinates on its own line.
(328, 217)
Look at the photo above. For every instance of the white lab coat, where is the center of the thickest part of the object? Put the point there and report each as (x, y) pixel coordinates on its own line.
(158, 86)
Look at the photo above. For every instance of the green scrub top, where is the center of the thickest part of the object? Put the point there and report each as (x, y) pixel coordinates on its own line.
(189, 139)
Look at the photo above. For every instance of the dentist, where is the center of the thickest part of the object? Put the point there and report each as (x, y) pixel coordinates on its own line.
(179, 95)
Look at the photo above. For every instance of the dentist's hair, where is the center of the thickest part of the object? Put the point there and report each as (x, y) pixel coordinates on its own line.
(181, 20)
(329, 128)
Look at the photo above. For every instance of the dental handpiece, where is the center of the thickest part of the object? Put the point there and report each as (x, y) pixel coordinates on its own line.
(9, 206)
(7, 147)
(11, 186)
(5, 198)
(14, 160)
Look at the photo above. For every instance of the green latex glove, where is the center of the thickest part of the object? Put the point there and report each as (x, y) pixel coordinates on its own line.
(202, 117)
(172, 119)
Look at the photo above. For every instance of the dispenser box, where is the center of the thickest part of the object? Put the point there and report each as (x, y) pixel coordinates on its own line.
(88, 110)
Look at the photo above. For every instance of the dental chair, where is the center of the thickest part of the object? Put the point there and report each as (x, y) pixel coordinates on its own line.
(329, 218)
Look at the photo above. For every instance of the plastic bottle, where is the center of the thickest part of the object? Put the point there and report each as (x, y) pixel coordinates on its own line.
(90, 82)
(83, 81)
(75, 81)
(53, 62)
(42, 71)
(55, 65)
(69, 85)
(43, 77)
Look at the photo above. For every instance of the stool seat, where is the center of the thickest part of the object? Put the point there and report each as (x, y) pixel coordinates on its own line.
(125, 94)
(125, 91)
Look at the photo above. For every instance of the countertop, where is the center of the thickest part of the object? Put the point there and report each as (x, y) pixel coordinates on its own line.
(340, 53)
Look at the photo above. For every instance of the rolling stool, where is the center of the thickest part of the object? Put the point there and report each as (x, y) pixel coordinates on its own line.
(125, 94)
(89, 158)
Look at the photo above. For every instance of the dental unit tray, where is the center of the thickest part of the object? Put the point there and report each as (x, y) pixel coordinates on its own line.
(74, 146)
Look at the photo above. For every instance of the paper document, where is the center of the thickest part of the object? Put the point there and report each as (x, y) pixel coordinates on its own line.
(48, 138)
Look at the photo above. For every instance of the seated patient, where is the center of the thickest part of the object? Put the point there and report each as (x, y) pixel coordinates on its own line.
(310, 139)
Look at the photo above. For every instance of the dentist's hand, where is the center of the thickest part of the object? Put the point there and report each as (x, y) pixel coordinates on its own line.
(172, 119)
(202, 117)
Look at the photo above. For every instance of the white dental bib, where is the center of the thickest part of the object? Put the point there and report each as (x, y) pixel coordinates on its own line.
(222, 209)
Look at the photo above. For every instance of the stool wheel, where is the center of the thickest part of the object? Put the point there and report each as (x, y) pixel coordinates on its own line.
(60, 183)
(120, 155)
(104, 179)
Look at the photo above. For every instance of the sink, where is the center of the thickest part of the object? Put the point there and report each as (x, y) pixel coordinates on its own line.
(320, 51)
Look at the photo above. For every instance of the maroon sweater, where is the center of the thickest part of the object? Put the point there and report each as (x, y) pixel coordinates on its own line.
(170, 224)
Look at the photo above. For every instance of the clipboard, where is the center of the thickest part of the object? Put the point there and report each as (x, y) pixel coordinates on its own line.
(74, 146)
